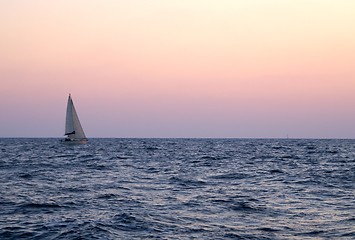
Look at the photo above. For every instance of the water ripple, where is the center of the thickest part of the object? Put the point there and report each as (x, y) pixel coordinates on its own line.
(177, 189)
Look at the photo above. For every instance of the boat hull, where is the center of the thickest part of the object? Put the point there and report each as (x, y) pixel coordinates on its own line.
(74, 141)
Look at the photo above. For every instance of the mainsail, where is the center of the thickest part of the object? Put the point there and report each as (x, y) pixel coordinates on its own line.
(73, 127)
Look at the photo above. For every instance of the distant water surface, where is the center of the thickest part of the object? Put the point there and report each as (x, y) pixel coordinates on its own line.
(177, 189)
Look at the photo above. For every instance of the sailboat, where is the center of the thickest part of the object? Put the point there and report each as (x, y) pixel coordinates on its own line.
(73, 130)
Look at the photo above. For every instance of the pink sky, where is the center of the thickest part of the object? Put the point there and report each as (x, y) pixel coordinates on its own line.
(189, 68)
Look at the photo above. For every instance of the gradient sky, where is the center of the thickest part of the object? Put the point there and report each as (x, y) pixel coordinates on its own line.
(187, 68)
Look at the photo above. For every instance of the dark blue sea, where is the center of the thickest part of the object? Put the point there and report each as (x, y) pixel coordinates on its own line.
(177, 189)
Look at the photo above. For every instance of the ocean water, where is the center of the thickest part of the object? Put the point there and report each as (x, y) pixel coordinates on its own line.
(177, 189)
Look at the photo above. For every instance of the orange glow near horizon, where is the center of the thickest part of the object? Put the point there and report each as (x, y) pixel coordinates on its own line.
(179, 65)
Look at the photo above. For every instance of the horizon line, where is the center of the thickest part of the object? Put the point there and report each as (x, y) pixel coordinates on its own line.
(255, 138)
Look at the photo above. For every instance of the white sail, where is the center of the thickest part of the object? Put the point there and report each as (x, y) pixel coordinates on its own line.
(73, 127)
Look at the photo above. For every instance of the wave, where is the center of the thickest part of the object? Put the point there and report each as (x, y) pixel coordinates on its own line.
(230, 176)
(177, 189)
(35, 208)
(187, 182)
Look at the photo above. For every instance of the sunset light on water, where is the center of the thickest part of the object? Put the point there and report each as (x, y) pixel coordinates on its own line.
(177, 119)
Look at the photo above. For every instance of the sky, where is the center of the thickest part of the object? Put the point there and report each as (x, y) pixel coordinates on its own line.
(187, 68)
